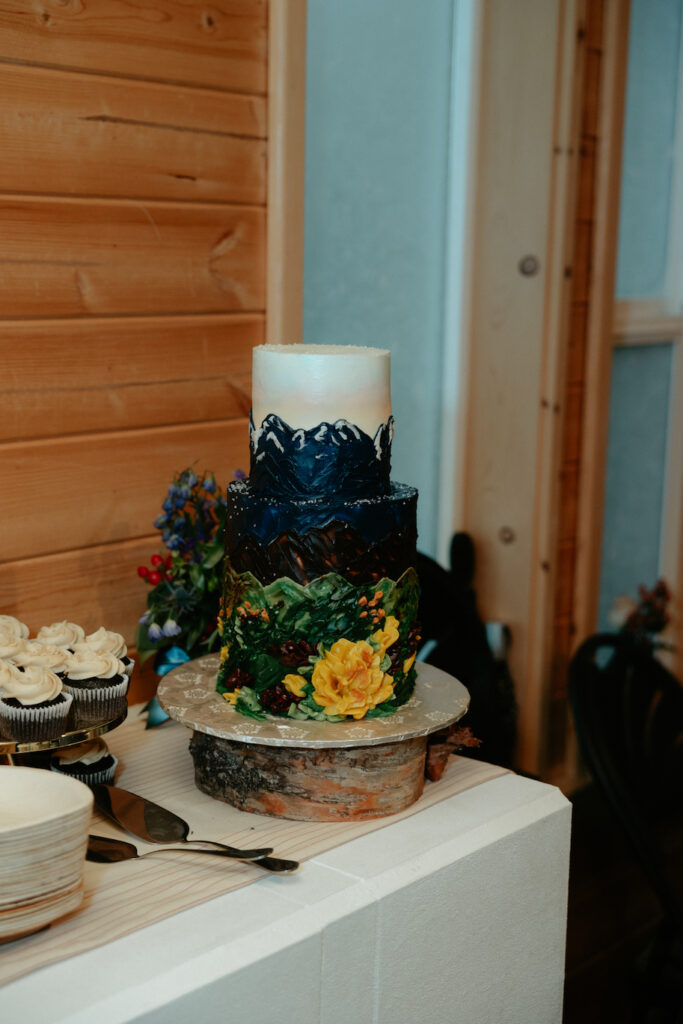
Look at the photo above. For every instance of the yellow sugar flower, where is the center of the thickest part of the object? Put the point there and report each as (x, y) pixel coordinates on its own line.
(295, 684)
(232, 696)
(408, 663)
(387, 635)
(349, 680)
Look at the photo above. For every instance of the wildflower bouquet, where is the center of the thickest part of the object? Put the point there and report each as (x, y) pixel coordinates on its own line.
(645, 618)
(185, 582)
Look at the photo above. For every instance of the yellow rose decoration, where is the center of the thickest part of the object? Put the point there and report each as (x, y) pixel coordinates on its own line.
(232, 696)
(295, 684)
(349, 681)
(387, 635)
(408, 663)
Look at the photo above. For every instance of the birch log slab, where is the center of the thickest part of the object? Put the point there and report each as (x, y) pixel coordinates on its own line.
(334, 784)
(308, 770)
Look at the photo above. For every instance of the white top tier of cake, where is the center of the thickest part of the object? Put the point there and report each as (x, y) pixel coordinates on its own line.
(310, 384)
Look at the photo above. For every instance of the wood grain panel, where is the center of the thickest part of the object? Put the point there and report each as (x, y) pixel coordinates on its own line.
(77, 257)
(221, 45)
(108, 137)
(94, 587)
(65, 376)
(100, 488)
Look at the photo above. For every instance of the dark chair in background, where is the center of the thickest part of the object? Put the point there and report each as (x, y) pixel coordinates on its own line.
(460, 646)
(628, 713)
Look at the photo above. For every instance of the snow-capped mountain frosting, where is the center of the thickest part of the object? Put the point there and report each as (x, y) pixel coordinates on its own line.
(306, 385)
(328, 459)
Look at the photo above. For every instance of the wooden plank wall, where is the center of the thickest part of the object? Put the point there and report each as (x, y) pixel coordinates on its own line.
(132, 282)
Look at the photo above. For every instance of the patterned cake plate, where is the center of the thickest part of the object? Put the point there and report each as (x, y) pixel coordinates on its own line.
(188, 694)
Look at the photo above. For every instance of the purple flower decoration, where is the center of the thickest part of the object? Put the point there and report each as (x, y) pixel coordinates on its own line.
(171, 628)
(154, 632)
(239, 474)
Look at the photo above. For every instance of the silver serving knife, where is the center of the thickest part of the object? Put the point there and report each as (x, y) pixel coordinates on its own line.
(155, 824)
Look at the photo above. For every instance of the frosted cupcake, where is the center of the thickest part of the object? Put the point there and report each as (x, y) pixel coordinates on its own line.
(90, 763)
(61, 634)
(10, 644)
(8, 624)
(105, 641)
(98, 684)
(43, 655)
(33, 705)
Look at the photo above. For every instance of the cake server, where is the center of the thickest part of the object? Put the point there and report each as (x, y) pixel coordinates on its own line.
(104, 850)
(155, 824)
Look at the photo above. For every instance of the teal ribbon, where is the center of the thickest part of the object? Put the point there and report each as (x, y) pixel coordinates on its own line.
(165, 661)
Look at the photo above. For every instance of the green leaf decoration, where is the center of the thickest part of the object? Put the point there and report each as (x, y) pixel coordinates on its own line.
(382, 711)
(247, 704)
(259, 619)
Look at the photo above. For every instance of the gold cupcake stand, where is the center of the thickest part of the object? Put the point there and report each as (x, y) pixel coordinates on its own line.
(37, 753)
(308, 770)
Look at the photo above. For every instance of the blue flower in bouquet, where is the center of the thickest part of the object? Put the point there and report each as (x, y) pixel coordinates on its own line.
(185, 581)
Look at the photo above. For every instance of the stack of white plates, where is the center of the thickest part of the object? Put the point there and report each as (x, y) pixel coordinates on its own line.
(44, 823)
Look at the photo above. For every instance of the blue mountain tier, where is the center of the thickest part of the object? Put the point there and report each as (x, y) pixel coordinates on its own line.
(331, 458)
(362, 539)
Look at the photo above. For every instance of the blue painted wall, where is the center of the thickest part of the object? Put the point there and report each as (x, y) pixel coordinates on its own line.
(636, 468)
(377, 121)
(652, 86)
(639, 403)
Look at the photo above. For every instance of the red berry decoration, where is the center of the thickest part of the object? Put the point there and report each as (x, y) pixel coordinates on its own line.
(154, 578)
(168, 575)
(143, 572)
(292, 653)
(156, 559)
(169, 561)
(277, 699)
(237, 679)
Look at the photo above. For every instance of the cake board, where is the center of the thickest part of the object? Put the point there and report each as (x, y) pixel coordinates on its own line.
(308, 770)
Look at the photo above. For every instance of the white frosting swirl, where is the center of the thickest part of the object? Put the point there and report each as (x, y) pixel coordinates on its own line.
(33, 685)
(8, 624)
(86, 753)
(87, 663)
(105, 640)
(61, 634)
(10, 644)
(8, 672)
(46, 655)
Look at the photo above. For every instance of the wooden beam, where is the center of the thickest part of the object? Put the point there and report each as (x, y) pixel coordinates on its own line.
(600, 316)
(286, 158)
